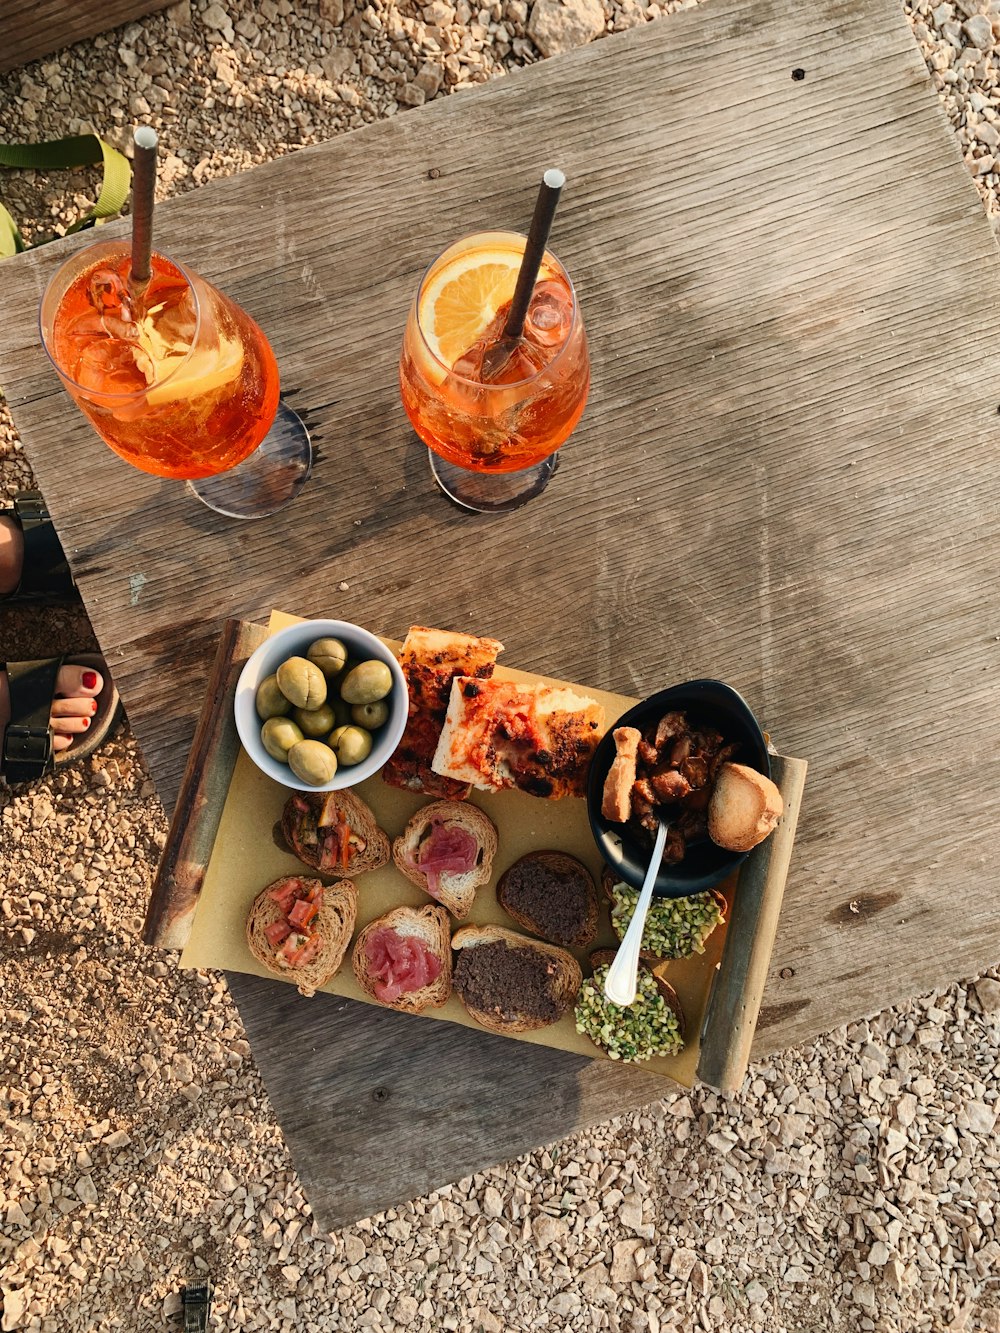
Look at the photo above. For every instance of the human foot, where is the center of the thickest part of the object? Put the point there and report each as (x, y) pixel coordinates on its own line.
(73, 708)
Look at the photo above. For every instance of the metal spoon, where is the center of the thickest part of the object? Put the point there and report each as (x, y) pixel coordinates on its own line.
(623, 974)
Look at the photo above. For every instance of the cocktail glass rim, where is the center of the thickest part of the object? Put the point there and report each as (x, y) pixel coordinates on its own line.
(113, 247)
(507, 385)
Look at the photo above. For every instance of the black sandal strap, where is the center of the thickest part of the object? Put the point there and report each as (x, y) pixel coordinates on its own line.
(45, 573)
(27, 742)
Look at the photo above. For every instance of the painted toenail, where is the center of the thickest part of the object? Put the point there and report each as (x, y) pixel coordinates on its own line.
(89, 679)
(85, 721)
(93, 705)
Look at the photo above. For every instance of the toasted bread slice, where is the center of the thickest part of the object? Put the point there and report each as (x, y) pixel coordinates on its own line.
(652, 1025)
(335, 924)
(536, 737)
(510, 983)
(744, 808)
(334, 832)
(435, 829)
(552, 895)
(430, 925)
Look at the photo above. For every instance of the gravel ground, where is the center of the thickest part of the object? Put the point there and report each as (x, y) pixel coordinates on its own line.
(849, 1185)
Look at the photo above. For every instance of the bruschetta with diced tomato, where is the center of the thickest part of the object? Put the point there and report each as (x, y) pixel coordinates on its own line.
(300, 929)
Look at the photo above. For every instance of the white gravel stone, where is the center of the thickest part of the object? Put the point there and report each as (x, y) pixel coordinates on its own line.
(560, 25)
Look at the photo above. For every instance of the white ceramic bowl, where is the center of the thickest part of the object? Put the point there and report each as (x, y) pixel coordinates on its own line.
(294, 641)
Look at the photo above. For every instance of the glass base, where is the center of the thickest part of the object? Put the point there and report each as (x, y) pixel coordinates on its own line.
(491, 492)
(269, 479)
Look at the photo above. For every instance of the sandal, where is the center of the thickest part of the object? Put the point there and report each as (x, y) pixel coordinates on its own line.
(27, 742)
(45, 576)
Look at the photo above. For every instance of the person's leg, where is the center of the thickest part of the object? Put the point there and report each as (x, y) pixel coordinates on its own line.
(11, 555)
(77, 687)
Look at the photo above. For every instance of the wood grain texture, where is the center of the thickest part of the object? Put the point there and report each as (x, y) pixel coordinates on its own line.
(33, 28)
(202, 797)
(731, 1016)
(387, 1106)
(785, 477)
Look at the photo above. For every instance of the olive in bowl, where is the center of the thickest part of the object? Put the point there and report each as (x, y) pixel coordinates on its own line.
(316, 676)
(715, 725)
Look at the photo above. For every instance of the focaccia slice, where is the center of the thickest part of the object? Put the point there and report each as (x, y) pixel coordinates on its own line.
(536, 737)
(431, 659)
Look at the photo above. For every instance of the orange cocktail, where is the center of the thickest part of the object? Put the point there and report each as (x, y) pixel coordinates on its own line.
(480, 423)
(177, 379)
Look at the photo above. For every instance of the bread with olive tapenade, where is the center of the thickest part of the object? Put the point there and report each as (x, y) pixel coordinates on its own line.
(334, 832)
(510, 983)
(552, 895)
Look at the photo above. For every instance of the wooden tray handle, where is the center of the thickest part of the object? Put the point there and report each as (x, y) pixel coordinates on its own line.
(202, 796)
(733, 1007)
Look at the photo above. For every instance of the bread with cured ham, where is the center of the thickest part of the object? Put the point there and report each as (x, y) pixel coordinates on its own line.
(447, 849)
(402, 959)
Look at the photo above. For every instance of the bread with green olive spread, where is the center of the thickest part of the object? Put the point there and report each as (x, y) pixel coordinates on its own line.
(653, 1024)
(675, 927)
(552, 895)
(510, 983)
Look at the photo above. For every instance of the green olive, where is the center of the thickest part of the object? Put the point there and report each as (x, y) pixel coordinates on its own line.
(353, 745)
(278, 735)
(329, 655)
(341, 711)
(302, 682)
(270, 701)
(367, 683)
(315, 721)
(371, 716)
(335, 736)
(312, 762)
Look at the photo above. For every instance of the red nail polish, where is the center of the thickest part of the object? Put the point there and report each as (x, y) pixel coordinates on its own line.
(89, 679)
(86, 722)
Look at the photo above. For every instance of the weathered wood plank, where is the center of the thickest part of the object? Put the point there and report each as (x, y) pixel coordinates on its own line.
(202, 796)
(793, 301)
(731, 1016)
(420, 1103)
(33, 28)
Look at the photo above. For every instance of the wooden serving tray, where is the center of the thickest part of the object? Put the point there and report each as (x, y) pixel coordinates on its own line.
(220, 854)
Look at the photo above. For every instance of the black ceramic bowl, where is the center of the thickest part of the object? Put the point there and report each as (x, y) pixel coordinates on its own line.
(707, 703)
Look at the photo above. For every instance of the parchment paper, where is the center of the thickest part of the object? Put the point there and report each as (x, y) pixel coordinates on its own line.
(245, 859)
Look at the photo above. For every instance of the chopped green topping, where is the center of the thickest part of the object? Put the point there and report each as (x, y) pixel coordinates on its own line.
(646, 1028)
(675, 927)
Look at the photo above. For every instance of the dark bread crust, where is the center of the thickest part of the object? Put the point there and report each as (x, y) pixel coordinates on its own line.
(553, 895)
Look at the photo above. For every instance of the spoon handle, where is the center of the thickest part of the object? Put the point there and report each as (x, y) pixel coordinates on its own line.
(620, 984)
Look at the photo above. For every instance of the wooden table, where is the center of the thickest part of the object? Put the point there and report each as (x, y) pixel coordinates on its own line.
(785, 478)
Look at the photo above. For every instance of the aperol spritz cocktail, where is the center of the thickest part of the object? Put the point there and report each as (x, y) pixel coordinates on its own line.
(493, 437)
(175, 377)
